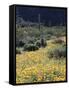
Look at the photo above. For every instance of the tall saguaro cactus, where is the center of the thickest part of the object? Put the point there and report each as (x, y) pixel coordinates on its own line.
(43, 43)
(39, 21)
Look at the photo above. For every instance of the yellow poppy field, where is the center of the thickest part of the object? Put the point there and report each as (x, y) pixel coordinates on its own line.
(37, 66)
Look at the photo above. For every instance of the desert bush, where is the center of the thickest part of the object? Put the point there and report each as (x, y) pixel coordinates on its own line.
(18, 51)
(30, 47)
(50, 32)
(21, 43)
(58, 41)
(64, 44)
(57, 52)
(38, 43)
(31, 41)
(48, 36)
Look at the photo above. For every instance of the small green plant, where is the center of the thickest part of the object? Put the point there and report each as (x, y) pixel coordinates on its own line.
(18, 51)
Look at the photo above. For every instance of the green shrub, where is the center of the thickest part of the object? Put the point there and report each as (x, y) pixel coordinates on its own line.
(50, 32)
(64, 44)
(31, 41)
(21, 43)
(18, 51)
(57, 52)
(30, 47)
(48, 36)
(38, 43)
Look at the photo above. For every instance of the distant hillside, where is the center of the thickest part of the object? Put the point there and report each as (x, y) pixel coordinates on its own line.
(21, 22)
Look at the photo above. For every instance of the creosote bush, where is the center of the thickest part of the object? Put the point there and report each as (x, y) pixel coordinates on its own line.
(57, 52)
(58, 41)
